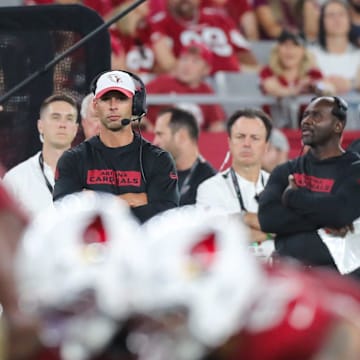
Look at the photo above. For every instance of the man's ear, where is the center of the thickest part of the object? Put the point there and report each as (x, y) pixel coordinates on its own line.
(40, 126)
(268, 147)
(179, 136)
(339, 127)
(94, 105)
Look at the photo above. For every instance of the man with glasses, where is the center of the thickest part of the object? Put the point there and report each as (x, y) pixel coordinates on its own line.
(318, 190)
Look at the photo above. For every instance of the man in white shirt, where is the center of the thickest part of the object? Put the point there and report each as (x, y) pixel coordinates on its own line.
(236, 189)
(32, 181)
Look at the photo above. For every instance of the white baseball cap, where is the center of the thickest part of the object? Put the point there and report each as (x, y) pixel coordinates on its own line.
(115, 81)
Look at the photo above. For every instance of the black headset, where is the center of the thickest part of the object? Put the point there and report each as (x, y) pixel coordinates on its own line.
(340, 109)
(139, 107)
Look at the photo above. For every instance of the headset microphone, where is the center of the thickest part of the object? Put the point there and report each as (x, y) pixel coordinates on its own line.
(125, 122)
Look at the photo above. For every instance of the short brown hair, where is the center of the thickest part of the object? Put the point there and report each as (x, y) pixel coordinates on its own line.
(252, 114)
(59, 97)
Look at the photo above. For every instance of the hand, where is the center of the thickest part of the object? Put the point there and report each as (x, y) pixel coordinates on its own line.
(257, 236)
(342, 232)
(305, 86)
(341, 84)
(324, 88)
(135, 199)
(292, 186)
(251, 220)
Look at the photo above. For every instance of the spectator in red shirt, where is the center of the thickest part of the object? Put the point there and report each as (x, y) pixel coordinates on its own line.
(154, 5)
(192, 68)
(184, 22)
(133, 33)
(277, 15)
(242, 13)
(291, 72)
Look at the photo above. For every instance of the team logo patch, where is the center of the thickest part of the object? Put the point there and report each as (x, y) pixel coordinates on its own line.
(115, 78)
(113, 177)
(314, 183)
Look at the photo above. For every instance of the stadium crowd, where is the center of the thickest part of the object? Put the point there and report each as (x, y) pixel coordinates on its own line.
(314, 50)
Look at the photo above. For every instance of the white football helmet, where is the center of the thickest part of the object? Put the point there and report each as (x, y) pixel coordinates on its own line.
(60, 264)
(199, 259)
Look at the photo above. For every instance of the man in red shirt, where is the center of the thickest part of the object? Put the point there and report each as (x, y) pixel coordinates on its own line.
(184, 22)
(241, 11)
(133, 35)
(193, 66)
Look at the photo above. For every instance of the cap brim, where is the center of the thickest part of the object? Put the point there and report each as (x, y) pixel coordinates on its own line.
(126, 92)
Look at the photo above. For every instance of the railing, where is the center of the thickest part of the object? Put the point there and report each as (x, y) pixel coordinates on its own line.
(293, 103)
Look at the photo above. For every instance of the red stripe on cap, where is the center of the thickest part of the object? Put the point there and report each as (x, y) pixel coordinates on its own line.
(126, 92)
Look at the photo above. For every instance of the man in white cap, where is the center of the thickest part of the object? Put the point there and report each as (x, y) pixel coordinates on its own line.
(119, 161)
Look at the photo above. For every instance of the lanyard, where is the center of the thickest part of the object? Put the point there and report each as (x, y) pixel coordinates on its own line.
(186, 184)
(41, 163)
(237, 188)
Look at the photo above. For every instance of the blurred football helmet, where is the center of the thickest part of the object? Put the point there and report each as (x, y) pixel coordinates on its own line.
(59, 266)
(199, 260)
(301, 314)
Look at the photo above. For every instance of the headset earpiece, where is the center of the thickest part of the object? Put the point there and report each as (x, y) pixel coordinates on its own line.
(139, 107)
(340, 108)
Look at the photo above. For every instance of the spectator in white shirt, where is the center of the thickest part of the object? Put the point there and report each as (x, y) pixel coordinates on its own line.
(337, 58)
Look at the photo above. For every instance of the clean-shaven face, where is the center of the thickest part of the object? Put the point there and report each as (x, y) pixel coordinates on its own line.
(112, 108)
(58, 124)
(247, 142)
